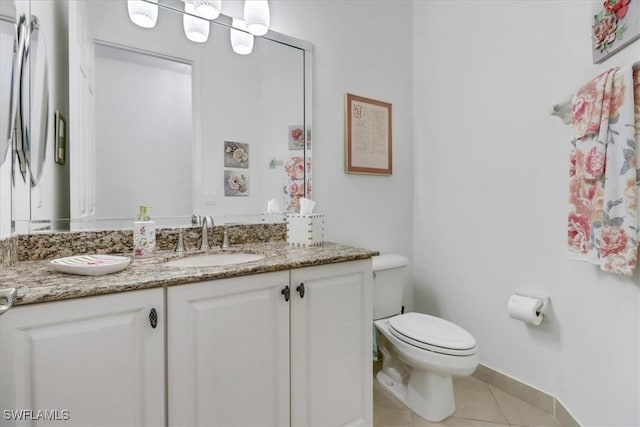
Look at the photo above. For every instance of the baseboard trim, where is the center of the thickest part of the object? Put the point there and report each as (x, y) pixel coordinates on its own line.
(526, 393)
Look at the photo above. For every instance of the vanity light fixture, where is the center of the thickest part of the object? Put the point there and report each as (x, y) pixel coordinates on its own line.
(257, 16)
(198, 13)
(143, 13)
(196, 29)
(208, 9)
(241, 40)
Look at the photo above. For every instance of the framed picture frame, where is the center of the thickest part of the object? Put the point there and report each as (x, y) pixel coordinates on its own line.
(615, 25)
(236, 182)
(60, 154)
(236, 155)
(368, 139)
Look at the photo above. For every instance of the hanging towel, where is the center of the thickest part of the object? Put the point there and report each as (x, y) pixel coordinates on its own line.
(636, 99)
(604, 215)
(589, 105)
(590, 108)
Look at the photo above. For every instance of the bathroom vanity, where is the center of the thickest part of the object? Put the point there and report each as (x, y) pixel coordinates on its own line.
(284, 340)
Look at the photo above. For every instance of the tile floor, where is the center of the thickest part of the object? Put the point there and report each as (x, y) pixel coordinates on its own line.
(478, 404)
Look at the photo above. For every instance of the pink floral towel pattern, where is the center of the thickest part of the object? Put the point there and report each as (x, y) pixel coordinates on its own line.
(604, 215)
(590, 120)
(589, 104)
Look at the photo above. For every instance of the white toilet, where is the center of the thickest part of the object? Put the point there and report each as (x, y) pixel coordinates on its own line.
(421, 352)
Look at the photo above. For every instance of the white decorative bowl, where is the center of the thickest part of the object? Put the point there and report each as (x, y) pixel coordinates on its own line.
(91, 265)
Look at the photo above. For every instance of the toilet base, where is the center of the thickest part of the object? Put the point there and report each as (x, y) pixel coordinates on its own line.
(397, 389)
(428, 394)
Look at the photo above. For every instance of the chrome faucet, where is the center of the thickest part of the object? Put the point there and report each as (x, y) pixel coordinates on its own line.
(204, 243)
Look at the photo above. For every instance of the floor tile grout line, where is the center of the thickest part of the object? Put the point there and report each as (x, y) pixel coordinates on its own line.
(486, 421)
(495, 399)
(517, 398)
(415, 419)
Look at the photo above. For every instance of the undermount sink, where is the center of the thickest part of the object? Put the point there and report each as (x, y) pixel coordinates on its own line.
(212, 260)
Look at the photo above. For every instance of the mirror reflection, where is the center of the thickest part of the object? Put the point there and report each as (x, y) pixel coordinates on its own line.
(155, 118)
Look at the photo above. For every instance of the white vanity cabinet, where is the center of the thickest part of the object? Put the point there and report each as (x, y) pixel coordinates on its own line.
(244, 353)
(286, 348)
(83, 362)
(228, 355)
(331, 349)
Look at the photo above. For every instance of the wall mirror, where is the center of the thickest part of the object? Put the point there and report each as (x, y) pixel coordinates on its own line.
(155, 118)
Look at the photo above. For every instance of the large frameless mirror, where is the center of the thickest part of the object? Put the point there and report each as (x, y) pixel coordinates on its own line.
(152, 117)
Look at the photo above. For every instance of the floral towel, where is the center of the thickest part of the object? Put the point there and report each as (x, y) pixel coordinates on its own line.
(590, 104)
(590, 119)
(604, 214)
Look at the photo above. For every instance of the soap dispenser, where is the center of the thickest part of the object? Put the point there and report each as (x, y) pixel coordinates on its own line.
(144, 235)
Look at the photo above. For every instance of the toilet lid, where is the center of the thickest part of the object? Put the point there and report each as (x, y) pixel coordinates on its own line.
(432, 333)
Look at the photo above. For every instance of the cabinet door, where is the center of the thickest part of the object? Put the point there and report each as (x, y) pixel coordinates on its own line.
(228, 352)
(84, 362)
(331, 333)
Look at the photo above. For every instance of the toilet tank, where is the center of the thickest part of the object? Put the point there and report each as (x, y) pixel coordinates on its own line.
(388, 284)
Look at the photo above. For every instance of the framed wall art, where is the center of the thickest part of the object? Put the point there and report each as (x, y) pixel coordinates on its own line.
(236, 183)
(60, 148)
(368, 146)
(236, 155)
(615, 24)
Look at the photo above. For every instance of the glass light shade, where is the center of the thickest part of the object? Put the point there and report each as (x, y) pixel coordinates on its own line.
(241, 41)
(196, 29)
(208, 9)
(257, 16)
(142, 13)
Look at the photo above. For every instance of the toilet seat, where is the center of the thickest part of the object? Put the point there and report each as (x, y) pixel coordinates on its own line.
(432, 334)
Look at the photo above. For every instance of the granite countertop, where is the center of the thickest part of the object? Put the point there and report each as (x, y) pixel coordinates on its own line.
(38, 281)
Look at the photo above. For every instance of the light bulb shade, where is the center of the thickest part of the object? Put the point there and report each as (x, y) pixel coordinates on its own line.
(208, 9)
(142, 13)
(196, 29)
(241, 41)
(257, 16)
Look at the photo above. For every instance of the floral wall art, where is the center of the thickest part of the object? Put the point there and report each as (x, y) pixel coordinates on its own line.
(294, 186)
(616, 23)
(296, 137)
(236, 181)
(236, 155)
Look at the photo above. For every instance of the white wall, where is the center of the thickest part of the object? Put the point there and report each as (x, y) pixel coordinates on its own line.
(362, 48)
(491, 188)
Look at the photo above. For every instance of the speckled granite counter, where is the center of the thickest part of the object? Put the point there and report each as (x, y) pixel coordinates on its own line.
(38, 281)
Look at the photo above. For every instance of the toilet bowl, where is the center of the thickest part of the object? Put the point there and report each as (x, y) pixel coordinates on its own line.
(421, 353)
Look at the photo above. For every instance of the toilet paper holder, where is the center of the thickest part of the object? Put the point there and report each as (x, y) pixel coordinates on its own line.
(546, 302)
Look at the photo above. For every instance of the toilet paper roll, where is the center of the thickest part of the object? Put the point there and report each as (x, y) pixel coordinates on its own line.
(525, 308)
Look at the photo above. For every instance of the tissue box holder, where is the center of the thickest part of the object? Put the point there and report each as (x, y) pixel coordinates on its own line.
(274, 217)
(305, 230)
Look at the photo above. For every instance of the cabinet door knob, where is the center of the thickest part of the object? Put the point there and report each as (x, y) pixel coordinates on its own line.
(286, 292)
(153, 318)
(300, 290)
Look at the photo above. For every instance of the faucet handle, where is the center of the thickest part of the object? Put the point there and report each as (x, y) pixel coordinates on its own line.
(225, 239)
(204, 242)
(180, 243)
